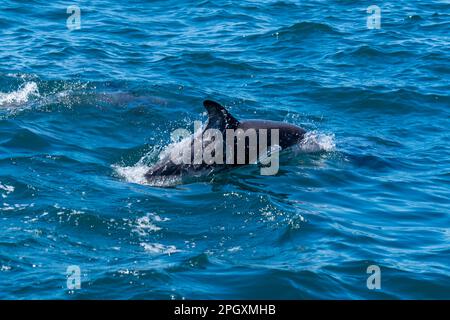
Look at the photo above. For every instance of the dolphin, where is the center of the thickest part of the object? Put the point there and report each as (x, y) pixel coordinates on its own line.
(222, 122)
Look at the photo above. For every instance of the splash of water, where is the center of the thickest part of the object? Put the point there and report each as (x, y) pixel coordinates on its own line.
(133, 174)
(20, 96)
(314, 141)
(136, 173)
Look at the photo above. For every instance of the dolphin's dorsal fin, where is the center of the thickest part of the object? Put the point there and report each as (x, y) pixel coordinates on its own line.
(219, 117)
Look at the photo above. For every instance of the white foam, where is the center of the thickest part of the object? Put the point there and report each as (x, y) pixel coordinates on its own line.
(136, 174)
(5, 268)
(314, 141)
(133, 174)
(20, 96)
(158, 248)
(7, 189)
(144, 225)
(234, 249)
(16, 207)
(128, 272)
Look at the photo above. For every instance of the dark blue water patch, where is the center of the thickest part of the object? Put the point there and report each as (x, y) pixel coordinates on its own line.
(26, 139)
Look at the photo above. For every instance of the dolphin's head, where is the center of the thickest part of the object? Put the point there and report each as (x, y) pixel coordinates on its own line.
(290, 134)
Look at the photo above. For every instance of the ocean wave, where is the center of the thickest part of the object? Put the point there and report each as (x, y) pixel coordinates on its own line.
(306, 28)
(297, 31)
(381, 99)
(371, 52)
(27, 140)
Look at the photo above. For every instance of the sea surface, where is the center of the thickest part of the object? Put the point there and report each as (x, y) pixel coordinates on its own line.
(86, 108)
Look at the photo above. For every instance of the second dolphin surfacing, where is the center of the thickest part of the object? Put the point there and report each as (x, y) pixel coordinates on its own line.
(277, 134)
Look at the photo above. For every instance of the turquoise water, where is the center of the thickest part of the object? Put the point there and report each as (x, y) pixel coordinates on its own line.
(84, 113)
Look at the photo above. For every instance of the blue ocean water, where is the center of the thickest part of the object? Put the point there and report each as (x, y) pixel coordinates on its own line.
(85, 112)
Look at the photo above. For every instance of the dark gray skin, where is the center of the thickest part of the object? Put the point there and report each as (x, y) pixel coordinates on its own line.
(219, 118)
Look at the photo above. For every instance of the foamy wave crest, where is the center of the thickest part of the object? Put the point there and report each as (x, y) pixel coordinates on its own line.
(314, 141)
(20, 96)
